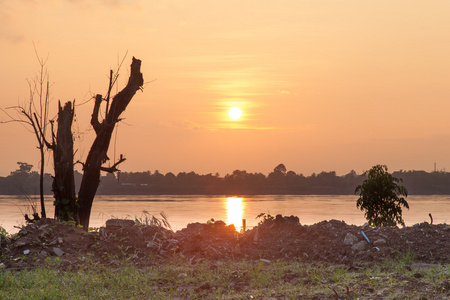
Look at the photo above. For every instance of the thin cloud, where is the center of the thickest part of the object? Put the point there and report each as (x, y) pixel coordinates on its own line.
(284, 92)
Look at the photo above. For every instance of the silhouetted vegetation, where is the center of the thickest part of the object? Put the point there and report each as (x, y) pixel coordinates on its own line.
(239, 182)
(382, 198)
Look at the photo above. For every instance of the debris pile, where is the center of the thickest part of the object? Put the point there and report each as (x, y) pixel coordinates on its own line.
(331, 241)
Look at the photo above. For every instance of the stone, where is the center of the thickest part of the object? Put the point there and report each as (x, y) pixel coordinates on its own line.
(220, 223)
(20, 243)
(121, 223)
(416, 266)
(379, 242)
(58, 251)
(350, 239)
(26, 252)
(360, 246)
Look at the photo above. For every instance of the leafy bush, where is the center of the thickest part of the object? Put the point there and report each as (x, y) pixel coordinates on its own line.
(382, 198)
(265, 218)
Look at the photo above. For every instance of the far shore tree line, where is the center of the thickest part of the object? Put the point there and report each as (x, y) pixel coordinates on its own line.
(24, 181)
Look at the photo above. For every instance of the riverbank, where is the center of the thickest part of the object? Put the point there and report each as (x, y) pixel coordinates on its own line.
(277, 258)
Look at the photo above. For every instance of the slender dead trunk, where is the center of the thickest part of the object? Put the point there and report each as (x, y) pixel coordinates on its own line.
(41, 183)
(64, 182)
(98, 153)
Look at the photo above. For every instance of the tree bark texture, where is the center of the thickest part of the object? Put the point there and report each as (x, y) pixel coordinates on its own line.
(64, 182)
(98, 153)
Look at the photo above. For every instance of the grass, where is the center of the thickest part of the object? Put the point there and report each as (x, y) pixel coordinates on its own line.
(226, 280)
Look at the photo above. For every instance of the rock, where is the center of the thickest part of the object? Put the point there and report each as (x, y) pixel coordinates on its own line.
(415, 266)
(20, 243)
(120, 223)
(43, 253)
(220, 223)
(360, 246)
(350, 239)
(379, 242)
(60, 240)
(58, 251)
(280, 221)
(26, 252)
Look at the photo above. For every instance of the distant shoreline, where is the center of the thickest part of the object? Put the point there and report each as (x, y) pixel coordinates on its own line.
(237, 183)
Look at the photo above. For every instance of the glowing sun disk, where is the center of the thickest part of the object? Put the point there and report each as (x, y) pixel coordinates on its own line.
(235, 113)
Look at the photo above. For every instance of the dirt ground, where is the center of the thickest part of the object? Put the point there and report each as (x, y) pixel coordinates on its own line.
(332, 242)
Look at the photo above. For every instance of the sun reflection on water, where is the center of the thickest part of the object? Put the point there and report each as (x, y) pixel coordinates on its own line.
(235, 209)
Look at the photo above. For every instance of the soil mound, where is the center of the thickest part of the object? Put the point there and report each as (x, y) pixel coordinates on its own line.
(332, 241)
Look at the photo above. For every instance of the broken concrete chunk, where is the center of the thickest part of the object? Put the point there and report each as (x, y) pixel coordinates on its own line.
(350, 239)
(360, 246)
(119, 223)
(58, 251)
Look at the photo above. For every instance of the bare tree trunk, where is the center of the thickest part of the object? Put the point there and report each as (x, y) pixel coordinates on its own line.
(64, 182)
(41, 183)
(98, 153)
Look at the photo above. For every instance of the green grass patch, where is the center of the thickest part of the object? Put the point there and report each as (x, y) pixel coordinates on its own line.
(226, 280)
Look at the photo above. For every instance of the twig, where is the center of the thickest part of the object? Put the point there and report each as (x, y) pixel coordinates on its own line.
(114, 167)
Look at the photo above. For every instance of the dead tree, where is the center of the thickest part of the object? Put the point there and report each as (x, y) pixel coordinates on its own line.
(64, 182)
(98, 153)
(35, 115)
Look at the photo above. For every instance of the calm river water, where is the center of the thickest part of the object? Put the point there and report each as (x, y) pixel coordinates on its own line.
(182, 210)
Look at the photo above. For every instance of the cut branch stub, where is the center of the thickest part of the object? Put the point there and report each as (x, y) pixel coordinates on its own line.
(94, 120)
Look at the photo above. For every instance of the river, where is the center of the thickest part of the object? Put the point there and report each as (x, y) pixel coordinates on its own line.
(181, 210)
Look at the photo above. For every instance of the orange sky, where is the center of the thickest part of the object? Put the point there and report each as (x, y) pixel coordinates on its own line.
(323, 85)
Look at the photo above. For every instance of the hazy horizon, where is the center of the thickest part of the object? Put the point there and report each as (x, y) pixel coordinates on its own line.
(50, 171)
(323, 86)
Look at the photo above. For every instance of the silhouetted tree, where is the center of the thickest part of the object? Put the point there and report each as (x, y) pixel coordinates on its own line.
(98, 153)
(382, 198)
(280, 169)
(24, 167)
(34, 114)
(64, 181)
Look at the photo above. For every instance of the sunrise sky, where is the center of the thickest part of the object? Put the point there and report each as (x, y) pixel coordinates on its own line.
(322, 85)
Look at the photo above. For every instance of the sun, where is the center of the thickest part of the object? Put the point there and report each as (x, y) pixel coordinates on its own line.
(235, 113)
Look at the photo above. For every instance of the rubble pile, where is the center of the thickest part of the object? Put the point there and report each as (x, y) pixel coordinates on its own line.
(331, 241)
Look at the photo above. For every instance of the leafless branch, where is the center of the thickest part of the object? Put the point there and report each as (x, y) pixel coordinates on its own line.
(113, 168)
(44, 140)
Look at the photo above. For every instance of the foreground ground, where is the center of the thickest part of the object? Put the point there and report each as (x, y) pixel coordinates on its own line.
(277, 259)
